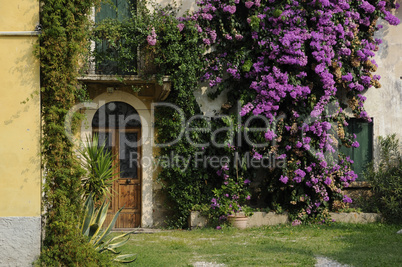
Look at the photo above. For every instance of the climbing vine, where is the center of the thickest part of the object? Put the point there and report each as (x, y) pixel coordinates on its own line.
(179, 55)
(169, 47)
(62, 44)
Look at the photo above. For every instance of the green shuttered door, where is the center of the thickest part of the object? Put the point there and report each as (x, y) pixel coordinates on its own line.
(364, 153)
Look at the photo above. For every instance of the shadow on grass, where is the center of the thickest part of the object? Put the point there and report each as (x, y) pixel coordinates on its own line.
(369, 245)
(355, 245)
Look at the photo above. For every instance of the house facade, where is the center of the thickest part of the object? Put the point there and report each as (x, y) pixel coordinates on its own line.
(20, 167)
(122, 114)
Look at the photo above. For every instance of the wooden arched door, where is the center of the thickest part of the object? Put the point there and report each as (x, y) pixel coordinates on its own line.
(118, 125)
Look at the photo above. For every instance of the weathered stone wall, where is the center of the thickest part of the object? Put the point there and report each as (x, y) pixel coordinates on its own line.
(160, 210)
(20, 240)
(196, 220)
(385, 104)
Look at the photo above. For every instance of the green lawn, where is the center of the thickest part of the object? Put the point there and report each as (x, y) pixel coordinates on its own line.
(357, 245)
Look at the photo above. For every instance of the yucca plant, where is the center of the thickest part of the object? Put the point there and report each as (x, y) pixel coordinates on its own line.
(97, 160)
(91, 227)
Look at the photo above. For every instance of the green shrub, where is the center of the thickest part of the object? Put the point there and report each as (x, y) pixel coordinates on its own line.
(97, 161)
(60, 49)
(64, 245)
(91, 228)
(386, 179)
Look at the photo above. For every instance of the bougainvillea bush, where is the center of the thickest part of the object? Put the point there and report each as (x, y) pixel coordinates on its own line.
(292, 68)
(292, 62)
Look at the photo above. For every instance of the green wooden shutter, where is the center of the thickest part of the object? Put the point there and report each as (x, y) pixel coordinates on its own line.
(117, 9)
(123, 7)
(363, 154)
(105, 11)
(105, 66)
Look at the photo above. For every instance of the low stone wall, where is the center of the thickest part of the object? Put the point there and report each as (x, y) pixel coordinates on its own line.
(196, 220)
(354, 217)
(267, 218)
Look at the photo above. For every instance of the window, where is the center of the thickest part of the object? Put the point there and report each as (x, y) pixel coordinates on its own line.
(108, 56)
(363, 154)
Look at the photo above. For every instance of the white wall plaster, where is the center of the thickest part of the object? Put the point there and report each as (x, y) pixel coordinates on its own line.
(20, 240)
(208, 106)
(385, 104)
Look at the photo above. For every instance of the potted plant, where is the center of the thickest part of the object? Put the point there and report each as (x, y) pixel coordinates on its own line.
(240, 218)
(229, 199)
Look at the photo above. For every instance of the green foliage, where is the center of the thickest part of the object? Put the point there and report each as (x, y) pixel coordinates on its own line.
(232, 194)
(179, 58)
(98, 162)
(387, 179)
(91, 227)
(71, 249)
(62, 47)
(177, 54)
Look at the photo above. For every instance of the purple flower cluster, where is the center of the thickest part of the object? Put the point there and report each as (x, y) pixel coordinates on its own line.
(233, 192)
(180, 26)
(293, 58)
(229, 9)
(214, 203)
(151, 39)
(367, 7)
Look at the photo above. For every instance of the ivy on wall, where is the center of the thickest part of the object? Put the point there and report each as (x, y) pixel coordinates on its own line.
(179, 55)
(168, 47)
(62, 44)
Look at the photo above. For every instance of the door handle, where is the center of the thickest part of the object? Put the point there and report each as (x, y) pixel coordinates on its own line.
(128, 181)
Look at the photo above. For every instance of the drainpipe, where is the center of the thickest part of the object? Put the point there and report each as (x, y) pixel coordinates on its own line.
(20, 33)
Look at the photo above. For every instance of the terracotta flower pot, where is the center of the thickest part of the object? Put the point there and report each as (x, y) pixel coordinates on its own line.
(238, 220)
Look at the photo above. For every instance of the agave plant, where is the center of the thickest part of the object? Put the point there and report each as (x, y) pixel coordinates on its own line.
(98, 162)
(91, 227)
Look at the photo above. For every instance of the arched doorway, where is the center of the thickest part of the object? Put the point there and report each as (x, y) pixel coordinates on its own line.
(118, 125)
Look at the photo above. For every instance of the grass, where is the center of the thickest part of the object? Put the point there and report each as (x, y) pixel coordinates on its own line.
(352, 244)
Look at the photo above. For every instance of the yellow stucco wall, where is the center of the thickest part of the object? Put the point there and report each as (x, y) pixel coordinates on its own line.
(20, 173)
(19, 15)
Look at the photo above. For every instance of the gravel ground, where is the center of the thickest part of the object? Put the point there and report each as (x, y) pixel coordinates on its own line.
(207, 264)
(326, 262)
(321, 262)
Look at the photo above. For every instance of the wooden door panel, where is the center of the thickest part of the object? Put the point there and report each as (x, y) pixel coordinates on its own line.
(119, 125)
(128, 186)
(129, 200)
(127, 220)
(129, 196)
(126, 190)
